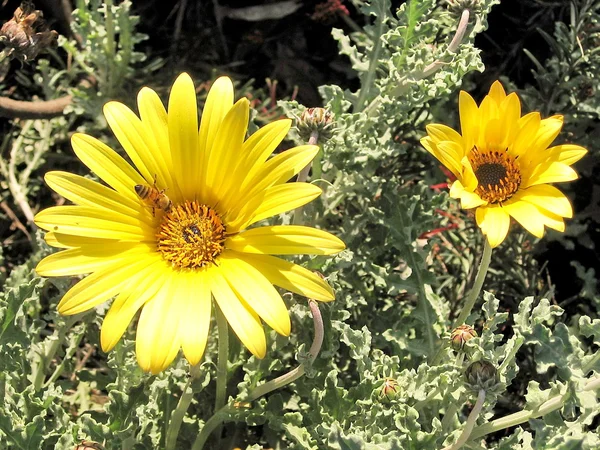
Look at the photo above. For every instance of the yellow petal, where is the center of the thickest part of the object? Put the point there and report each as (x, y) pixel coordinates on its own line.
(285, 240)
(255, 152)
(290, 276)
(497, 92)
(183, 134)
(469, 119)
(195, 319)
(449, 154)
(494, 223)
(157, 338)
(552, 221)
(555, 172)
(456, 189)
(469, 200)
(528, 126)
(488, 110)
(510, 113)
(264, 141)
(278, 169)
(567, 154)
(154, 117)
(282, 198)
(225, 153)
(127, 304)
(102, 285)
(218, 102)
(85, 192)
(439, 133)
(88, 259)
(69, 241)
(243, 320)
(107, 164)
(137, 140)
(93, 222)
(527, 215)
(249, 284)
(547, 198)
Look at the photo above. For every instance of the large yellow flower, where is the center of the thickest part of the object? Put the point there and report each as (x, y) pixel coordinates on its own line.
(503, 164)
(168, 235)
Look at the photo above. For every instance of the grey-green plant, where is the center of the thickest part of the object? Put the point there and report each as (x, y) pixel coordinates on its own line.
(371, 370)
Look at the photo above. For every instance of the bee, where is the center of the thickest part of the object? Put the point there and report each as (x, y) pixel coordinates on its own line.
(153, 197)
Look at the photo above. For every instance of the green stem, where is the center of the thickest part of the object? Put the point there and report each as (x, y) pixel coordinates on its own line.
(223, 330)
(223, 359)
(470, 424)
(520, 417)
(479, 279)
(110, 45)
(422, 296)
(303, 176)
(224, 412)
(374, 61)
(48, 352)
(180, 410)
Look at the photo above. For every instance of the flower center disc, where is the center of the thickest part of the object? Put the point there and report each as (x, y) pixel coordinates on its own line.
(497, 174)
(191, 235)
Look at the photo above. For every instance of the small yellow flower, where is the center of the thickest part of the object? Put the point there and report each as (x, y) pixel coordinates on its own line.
(169, 234)
(503, 164)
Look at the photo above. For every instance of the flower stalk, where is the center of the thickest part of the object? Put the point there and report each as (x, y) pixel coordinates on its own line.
(180, 410)
(523, 416)
(223, 413)
(470, 424)
(477, 285)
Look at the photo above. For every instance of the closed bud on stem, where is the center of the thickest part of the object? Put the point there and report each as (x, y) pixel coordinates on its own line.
(317, 121)
(481, 375)
(389, 390)
(460, 335)
(26, 34)
(456, 7)
(89, 445)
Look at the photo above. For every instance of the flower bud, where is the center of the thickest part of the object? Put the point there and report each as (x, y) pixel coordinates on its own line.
(26, 34)
(89, 445)
(460, 335)
(315, 121)
(389, 390)
(481, 375)
(456, 7)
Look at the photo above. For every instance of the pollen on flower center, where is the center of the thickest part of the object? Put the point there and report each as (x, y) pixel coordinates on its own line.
(497, 173)
(191, 235)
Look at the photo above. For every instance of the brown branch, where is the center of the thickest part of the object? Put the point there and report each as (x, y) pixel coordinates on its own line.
(33, 110)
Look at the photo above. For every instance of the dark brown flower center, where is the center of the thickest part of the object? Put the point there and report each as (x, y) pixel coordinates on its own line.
(191, 235)
(497, 173)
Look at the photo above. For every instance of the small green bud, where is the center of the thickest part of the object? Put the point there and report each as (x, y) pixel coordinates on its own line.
(315, 121)
(460, 335)
(389, 390)
(481, 375)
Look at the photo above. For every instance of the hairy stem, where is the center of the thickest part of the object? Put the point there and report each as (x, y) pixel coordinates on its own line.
(365, 88)
(464, 437)
(223, 413)
(477, 285)
(180, 410)
(303, 176)
(523, 416)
